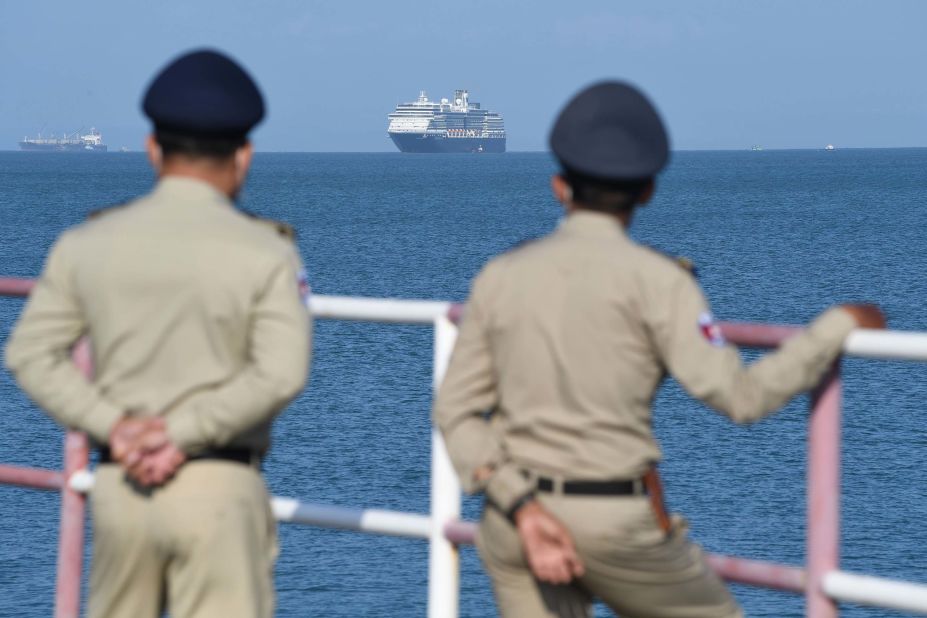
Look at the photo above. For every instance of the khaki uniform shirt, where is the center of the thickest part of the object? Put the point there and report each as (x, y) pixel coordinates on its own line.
(565, 340)
(193, 311)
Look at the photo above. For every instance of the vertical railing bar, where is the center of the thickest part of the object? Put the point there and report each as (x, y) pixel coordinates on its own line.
(823, 534)
(71, 530)
(443, 559)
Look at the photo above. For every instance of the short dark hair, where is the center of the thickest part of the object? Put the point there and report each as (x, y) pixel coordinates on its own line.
(198, 147)
(605, 195)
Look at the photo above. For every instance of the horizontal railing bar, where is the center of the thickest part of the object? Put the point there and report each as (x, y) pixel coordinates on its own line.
(758, 573)
(378, 309)
(753, 572)
(12, 286)
(842, 586)
(363, 520)
(892, 345)
(864, 343)
(757, 335)
(887, 345)
(322, 306)
(34, 478)
(461, 532)
(876, 591)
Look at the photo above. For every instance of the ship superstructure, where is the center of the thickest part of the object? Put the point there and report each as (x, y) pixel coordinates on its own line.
(70, 142)
(457, 125)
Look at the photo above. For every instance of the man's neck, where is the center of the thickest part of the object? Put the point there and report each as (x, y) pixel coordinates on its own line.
(222, 178)
(624, 217)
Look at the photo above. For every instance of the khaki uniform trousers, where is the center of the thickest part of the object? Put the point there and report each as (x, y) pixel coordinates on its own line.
(202, 546)
(631, 564)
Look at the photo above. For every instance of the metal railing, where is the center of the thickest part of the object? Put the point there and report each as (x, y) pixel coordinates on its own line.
(821, 581)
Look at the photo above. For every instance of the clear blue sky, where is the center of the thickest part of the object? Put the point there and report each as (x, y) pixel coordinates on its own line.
(726, 74)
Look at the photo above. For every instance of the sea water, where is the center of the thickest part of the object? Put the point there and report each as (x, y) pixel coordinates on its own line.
(777, 236)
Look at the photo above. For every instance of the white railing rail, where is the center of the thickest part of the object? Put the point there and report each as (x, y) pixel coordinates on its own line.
(378, 309)
(862, 343)
(443, 595)
(443, 561)
(876, 591)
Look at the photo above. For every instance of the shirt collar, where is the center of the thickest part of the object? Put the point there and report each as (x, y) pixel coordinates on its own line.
(594, 224)
(187, 189)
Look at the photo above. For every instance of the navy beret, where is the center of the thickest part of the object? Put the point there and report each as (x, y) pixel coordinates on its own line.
(204, 93)
(610, 132)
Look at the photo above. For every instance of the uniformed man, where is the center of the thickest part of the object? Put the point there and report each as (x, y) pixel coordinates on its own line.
(546, 406)
(197, 319)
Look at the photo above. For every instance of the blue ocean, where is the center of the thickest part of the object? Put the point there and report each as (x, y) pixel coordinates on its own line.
(777, 236)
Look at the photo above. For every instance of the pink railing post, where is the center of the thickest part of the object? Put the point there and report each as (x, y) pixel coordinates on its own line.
(823, 541)
(71, 534)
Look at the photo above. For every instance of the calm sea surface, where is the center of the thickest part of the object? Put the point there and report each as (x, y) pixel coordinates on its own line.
(777, 236)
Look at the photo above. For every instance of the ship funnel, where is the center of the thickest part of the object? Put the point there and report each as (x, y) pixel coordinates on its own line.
(460, 98)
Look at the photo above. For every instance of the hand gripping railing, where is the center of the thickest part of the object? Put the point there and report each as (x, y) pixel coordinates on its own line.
(821, 581)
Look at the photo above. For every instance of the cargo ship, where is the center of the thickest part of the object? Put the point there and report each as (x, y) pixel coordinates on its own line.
(457, 125)
(73, 142)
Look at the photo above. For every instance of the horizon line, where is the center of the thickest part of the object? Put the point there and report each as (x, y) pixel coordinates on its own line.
(394, 152)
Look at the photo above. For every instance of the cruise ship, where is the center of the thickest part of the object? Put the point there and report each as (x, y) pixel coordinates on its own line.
(74, 142)
(457, 125)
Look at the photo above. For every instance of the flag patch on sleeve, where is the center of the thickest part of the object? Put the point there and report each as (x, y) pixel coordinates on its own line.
(302, 282)
(710, 330)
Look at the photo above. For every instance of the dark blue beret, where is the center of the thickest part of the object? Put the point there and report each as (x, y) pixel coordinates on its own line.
(610, 132)
(204, 93)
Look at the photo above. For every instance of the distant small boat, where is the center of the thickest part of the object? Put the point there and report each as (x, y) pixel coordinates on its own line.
(830, 147)
(756, 148)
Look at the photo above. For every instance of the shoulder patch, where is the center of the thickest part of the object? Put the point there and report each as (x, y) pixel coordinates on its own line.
(710, 330)
(100, 212)
(302, 282)
(682, 262)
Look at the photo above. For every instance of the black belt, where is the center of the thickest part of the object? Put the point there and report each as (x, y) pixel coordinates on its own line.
(594, 488)
(241, 455)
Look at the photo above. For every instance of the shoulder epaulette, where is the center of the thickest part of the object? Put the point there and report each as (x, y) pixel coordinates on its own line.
(284, 230)
(687, 265)
(682, 262)
(99, 212)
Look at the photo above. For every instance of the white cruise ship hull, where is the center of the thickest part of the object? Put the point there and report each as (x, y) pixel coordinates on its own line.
(416, 142)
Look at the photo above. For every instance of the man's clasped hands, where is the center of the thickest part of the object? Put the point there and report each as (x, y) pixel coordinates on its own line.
(144, 449)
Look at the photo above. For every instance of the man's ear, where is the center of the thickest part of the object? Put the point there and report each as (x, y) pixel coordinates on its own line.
(243, 158)
(155, 154)
(561, 189)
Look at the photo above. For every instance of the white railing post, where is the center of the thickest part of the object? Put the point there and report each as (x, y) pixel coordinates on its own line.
(443, 561)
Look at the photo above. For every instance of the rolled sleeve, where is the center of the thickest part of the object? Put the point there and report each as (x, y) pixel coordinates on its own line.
(506, 486)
